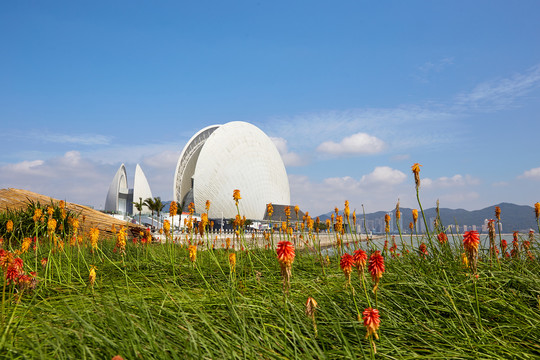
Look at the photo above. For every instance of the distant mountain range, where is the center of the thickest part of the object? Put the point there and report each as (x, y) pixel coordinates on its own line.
(513, 217)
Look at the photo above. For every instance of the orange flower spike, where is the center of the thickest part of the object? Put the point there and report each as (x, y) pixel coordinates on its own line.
(376, 267)
(415, 215)
(387, 223)
(192, 249)
(270, 209)
(360, 259)
(37, 214)
(442, 238)
(346, 210)
(416, 171)
(288, 212)
(232, 261)
(346, 264)
(9, 226)
(423, 249)
(285, 253)
(411, 226)
(296, 210)
(173, 209)
(371, 322)
(464, 260)
(471, 240)
(498, 213)
(92, 275)
(537, 210)
(236, 195)
(166, 226)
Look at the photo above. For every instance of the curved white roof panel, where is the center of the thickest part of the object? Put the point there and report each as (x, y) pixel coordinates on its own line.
(118, 186)
(141, 188)
(237, 155)
(187, 162)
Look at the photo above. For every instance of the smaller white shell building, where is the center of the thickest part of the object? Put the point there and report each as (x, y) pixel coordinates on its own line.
(221, 158)
(120, 198)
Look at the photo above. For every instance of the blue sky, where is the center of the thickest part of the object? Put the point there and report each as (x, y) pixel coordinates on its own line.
(353, 93)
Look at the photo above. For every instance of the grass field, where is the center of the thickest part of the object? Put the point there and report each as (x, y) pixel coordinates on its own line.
(71, 295)
(154, 302)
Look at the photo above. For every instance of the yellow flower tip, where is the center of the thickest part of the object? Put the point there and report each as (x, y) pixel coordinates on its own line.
(416, 168)
(415, 215)
(92, 275)
(236, 195)
(232, 261)
(9, 226)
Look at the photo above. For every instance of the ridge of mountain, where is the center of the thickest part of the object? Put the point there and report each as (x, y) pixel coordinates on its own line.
(513, 217)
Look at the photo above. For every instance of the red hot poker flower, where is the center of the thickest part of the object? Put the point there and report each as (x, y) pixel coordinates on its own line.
(360, 258)
(346, 263)
(285, 252)
(371, 321)
(471, 240)
(504, 245)
(442, 238)
(376, 267)
(423, 249)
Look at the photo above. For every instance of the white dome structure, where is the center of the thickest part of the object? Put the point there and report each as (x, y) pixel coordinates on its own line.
(221, 158)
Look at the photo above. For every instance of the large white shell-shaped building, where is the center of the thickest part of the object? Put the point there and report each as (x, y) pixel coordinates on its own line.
(221, 158)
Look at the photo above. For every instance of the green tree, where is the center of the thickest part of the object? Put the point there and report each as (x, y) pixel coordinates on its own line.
(139, 206)
(158, 206)
(150, 204)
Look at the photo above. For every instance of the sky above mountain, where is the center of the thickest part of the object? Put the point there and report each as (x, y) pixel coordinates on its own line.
(352, 93)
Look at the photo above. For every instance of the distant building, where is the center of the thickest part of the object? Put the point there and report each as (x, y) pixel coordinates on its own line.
(120, 198)
(221, 158)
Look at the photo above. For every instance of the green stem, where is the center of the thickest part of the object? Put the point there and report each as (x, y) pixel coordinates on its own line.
(433, 249)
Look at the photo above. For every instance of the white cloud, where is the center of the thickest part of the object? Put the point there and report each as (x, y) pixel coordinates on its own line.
(458, 198)
(502, 93)
(23, 166)
(401, 157)
(406, 127)
(378, 190)
(82, 139)
(76, 178)
(356, 144)
(430, 67)
(449, 182)
(533, 174)
(383, 176)
(289, 158)
(166, 159)
(137, 153)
